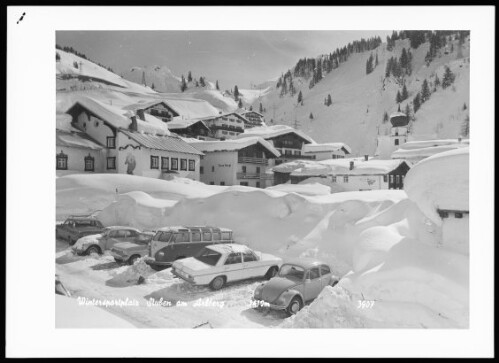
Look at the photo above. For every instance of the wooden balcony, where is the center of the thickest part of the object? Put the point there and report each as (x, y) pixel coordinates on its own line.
(261, 176)
(250, 160)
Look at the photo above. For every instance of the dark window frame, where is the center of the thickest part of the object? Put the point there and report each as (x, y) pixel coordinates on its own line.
(192, 165)
(113, 159)
(183, 164)
(174, 163)
(91, 159)
(61, 157)
(163, 159)
(111, 140)
(154, 162)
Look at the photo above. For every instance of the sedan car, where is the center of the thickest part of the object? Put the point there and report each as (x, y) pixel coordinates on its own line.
(75, 227)
(98, 243)
(298, 282)
(130, 252)
(219, 264)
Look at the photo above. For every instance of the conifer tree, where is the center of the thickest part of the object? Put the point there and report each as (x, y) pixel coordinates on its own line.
(144, 78)
(201, 81)
(300, 98)
(398, 98)
(57, 57)
(189, 77)
(385, 117)
(465, 107)
(152, 86)
(465, 131)
(251, 108)
(216, 86)
(236, 93)
(311, 116)
(437, 81)
(376, 61)
(329, 101)
(425, 91)
(404, 94)
(183, 84)
(416, 103)
(407, 110)
(240, 104)
(448, 78)
(261, 108)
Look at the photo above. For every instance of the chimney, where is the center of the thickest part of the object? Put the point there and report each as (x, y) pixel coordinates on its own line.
(366, 157)
(133, 125)
(140, 113)
(351, 165)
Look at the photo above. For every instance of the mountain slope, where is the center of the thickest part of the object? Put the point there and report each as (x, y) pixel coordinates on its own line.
(360, 100)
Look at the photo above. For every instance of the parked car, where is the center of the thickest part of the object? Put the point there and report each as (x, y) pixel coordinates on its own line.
(98, 243)
(217, 265)
(130, 252)
(75, 227)
(298, 282)
(173, 243)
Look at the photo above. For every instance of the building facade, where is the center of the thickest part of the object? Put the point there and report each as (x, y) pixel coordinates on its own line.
(253, 119)
(225, 126)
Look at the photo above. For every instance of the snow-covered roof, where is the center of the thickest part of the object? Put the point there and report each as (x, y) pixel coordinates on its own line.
(166, 143)
(399, 119)
(223, 115)
(338, 167)
(141, 105)
(268, 132)
(63, 123)
(182, 124)
(327, 147)
(242, 112)
(423, 149)
(190, 108)
(232, 145)
(119, 117)
(440, 181)
(75, 139)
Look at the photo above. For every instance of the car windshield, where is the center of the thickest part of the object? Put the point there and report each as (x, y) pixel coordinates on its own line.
(162, 236)
(292, 271)
(208, 256)
(106, 232)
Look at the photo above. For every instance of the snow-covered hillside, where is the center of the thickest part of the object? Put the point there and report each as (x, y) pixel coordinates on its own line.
(359, 100)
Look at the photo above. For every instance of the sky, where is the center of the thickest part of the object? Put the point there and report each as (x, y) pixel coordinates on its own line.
(235, 57)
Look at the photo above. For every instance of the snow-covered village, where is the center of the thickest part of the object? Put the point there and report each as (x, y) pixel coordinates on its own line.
(334, 196)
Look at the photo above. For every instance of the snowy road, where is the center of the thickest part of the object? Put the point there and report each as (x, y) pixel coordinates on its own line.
(162, 301)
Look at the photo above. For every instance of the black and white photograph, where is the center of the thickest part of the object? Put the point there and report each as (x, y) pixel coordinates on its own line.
(251, 180)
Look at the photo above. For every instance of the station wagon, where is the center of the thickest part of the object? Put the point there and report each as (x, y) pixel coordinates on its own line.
(75, 227)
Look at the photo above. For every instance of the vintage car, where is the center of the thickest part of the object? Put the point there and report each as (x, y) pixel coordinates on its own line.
(130, 252)
(75, 227)
(217, 265)
(297, 282)
(98, 243)
(174, 243)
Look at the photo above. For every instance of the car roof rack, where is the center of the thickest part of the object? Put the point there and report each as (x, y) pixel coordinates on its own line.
(91, 215)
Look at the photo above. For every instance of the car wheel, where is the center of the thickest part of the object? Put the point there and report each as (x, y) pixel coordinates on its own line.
(71, 241)
(93, 249)
(217, 283)
(133, 259)
(271, 273)
(294, 306)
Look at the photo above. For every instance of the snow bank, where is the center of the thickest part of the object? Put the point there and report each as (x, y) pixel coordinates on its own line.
(85, 193)
(440, 182)
(304, 189)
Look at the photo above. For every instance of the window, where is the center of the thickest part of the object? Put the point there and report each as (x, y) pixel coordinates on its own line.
(396, 141)
(192, 165)
(226, 236)
(244, 184)
(206, 236)
(182, 237)
(258, 170)
(385, 178)
(61, 161)
(325, 270)
(397, 179)
(391, 179)
(212, 169)
(345, 179)
(258, 184)
(287, 152)
(313, 273)
(222, 183)
(458, 215)
(111, 162)
(208, 256)
(162, 236)
(89, 163)
(154, 162)
(183, 164)
(174, 164)
(443, 214)
(111, 142)
(249, 256)
(244, 169)
(333, 179)
(201, 170)
(296, 152)
(212, 183)
(165, 163)
(196, 236)
(233, 258)
(217, 236)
